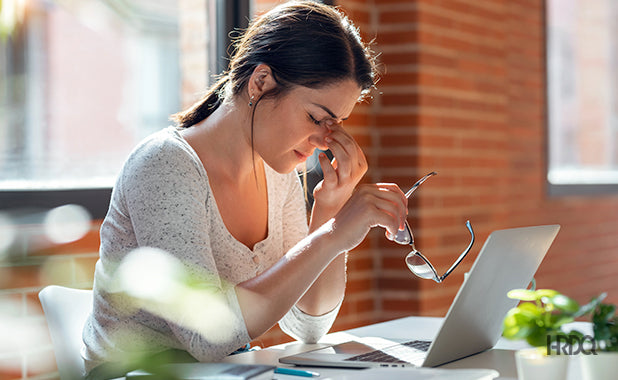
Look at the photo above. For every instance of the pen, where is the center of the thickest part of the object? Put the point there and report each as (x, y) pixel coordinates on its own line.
(296, 372)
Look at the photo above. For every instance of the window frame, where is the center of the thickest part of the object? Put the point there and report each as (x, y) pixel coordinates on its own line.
(562, 190)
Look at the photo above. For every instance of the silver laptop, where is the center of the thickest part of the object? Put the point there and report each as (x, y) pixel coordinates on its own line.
(473, 324)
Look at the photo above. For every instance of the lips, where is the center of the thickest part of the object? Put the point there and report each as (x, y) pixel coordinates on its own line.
(302, 156)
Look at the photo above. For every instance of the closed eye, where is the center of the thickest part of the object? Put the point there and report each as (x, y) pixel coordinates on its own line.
(314, 120)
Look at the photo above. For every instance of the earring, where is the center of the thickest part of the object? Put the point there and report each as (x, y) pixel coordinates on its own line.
(251, 101)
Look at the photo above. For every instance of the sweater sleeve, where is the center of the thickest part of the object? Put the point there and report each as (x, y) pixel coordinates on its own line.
(297, 324)
(165, 193)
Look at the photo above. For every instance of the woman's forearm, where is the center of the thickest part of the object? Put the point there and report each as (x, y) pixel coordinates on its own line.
(329, 288)
(265, 299)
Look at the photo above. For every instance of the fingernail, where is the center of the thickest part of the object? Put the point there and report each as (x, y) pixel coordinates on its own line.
(328, 139)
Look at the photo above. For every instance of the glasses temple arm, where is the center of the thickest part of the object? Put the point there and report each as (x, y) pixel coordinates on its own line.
(464, 253)
(418, 183)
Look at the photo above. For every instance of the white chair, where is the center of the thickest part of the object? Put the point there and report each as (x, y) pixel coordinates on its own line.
(66, 310)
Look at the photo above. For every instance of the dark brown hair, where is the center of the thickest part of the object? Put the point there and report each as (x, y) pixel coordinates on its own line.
(305, 43)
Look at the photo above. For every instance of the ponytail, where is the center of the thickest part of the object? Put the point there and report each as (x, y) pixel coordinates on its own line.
(204, 107)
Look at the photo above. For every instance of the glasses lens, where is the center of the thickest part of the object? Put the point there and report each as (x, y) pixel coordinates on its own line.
(404, 237)
(418, 266)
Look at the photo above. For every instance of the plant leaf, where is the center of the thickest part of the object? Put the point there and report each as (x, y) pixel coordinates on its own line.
(531, 309)
(518, 324)
(562, 302)
(557, 320)
(590, 306)
(522, 294)
(540, 293)
(537, 337)
(603, 314)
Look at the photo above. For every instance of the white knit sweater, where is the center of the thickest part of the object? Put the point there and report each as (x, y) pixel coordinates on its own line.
(162, 199)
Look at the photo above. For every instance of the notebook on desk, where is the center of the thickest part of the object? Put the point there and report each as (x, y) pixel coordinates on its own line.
(508, 260)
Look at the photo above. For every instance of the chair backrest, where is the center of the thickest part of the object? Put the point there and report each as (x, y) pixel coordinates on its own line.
(66, 311)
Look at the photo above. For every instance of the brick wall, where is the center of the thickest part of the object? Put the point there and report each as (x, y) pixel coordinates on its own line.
(462, 93)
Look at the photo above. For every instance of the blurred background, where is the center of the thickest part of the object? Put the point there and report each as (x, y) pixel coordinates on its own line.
(513, 102)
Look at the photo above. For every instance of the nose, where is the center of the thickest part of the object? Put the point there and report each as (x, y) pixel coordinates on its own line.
(317, 137)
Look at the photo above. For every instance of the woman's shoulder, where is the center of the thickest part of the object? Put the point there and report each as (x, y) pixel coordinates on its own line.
(163, 150)
(167, 140)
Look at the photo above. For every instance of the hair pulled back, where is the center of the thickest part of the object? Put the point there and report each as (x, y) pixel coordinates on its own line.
(305, 43)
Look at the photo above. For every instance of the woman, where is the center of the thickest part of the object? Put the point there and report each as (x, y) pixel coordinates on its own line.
(219, 192)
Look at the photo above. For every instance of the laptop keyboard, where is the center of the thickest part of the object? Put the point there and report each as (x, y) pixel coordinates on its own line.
(408, 352)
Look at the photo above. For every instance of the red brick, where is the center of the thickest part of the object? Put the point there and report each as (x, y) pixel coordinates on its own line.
(11, 367)
(15, 277)
(396, 38)
(358, 285)
(89, 243)
(406, 16)
(402, 306)
(359, 263)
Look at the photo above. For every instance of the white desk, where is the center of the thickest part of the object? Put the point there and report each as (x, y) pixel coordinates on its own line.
(500, 358)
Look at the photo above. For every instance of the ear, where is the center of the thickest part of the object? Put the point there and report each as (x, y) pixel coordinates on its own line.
(261, 81)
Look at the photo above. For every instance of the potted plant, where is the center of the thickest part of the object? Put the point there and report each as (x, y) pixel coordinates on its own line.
(602, 362)
(538, 320)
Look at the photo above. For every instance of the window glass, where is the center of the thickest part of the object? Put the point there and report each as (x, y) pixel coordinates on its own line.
(81, 83)
(582, 74)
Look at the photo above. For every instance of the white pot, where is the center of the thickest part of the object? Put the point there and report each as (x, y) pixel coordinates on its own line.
(533, 364)
(602, 366)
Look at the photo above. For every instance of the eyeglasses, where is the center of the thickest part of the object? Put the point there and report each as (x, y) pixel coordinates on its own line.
(417, 263)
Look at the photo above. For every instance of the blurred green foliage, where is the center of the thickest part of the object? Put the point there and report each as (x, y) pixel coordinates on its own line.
(541, 314)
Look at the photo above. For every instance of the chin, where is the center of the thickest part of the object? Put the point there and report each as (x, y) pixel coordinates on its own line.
(285, 168)
(302, 167)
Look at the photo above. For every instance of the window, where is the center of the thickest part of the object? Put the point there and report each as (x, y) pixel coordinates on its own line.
(82, 82)
(88, 79)
(582, 75)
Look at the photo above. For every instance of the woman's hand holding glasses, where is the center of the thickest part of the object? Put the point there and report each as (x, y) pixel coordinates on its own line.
(416, 262)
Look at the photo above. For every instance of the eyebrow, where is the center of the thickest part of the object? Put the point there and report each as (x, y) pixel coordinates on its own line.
(331, 113)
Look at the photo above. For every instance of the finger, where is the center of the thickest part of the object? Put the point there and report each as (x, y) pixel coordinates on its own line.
(392, 208)
(385, 199)
(380, 209)
(394, 190)
(344, 165)
(389, 236)
(346, 141)
(358, 161)
(385, 219)
(393, 194)
(361, 162)
(330, 175)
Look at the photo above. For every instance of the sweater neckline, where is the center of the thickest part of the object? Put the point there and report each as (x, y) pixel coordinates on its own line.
(268, 172)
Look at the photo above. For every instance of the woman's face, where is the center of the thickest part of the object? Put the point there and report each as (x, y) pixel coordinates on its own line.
(287, 129)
